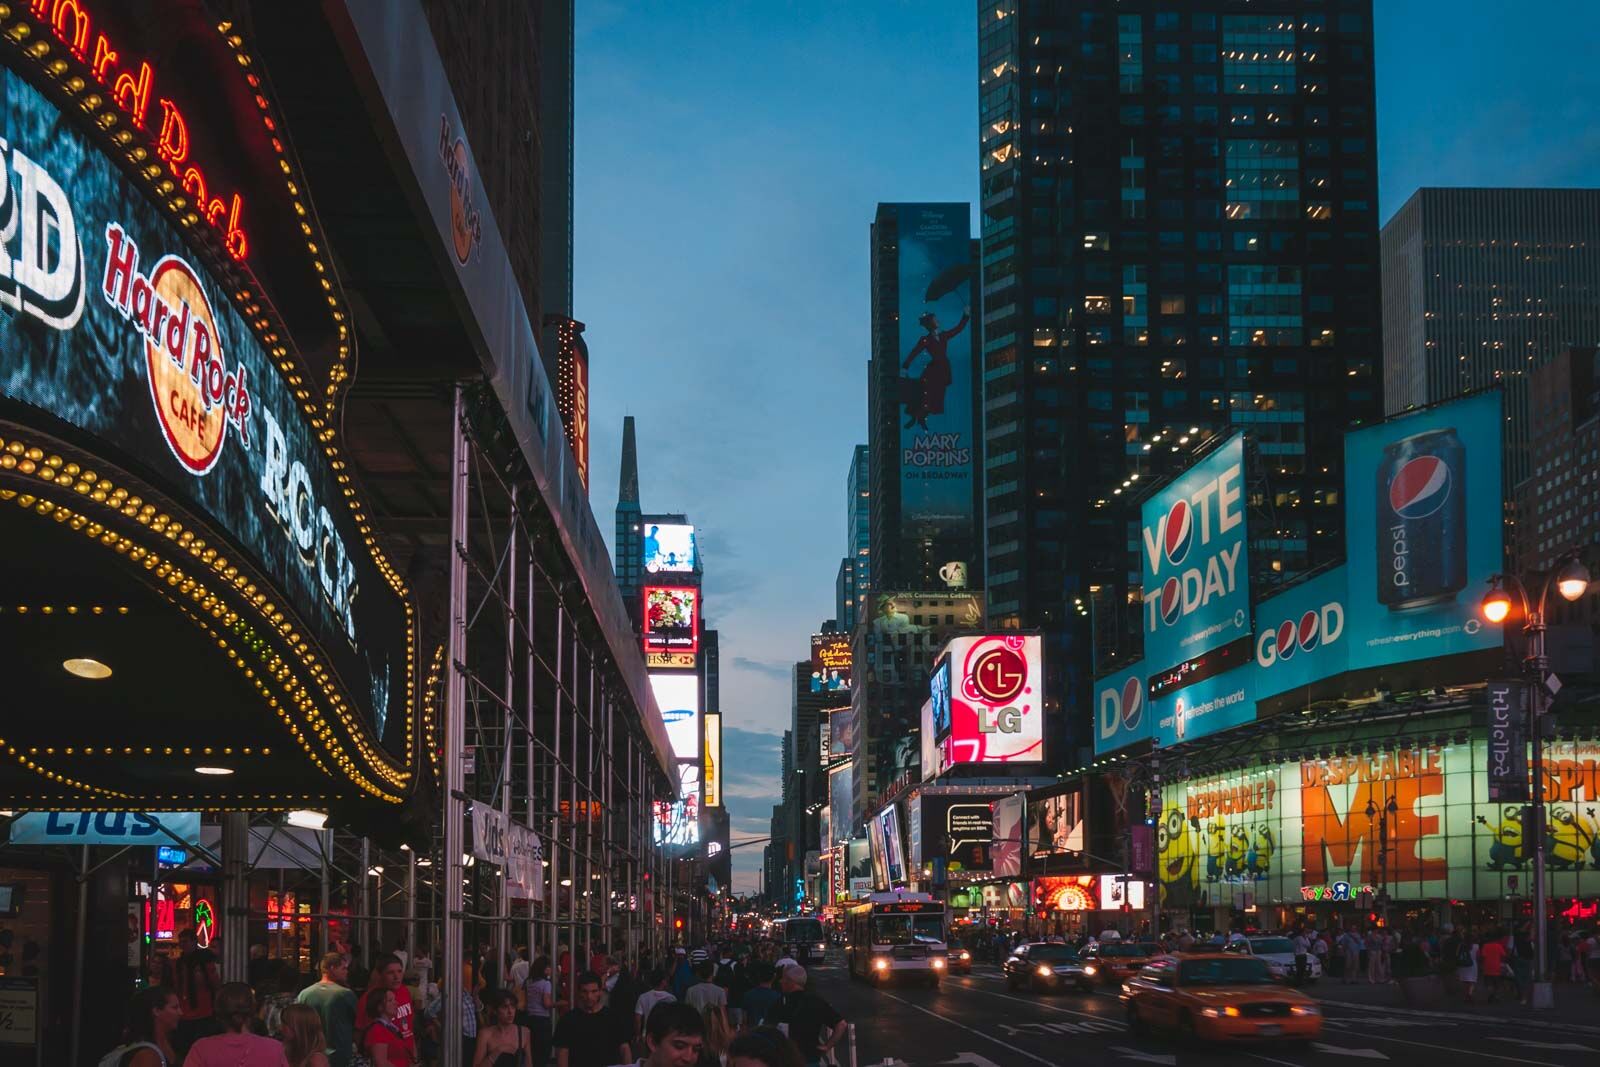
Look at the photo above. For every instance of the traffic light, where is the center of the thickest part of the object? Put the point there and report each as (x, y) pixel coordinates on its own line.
(677, 924)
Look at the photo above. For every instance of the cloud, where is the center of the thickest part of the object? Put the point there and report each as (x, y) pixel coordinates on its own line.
(783, 672)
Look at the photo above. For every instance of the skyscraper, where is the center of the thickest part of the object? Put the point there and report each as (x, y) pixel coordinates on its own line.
(629, 540)
(855, 570)
(1179, 220)
(1483, 286)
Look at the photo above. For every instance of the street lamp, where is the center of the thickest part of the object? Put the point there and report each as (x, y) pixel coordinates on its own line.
(1571, 580)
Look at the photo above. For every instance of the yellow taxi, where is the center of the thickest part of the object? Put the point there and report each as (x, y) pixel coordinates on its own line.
(1216, 997)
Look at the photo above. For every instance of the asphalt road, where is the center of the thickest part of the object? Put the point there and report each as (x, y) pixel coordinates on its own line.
(976, 1021)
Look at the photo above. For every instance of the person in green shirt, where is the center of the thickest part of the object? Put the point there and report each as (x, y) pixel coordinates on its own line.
(337, 1006)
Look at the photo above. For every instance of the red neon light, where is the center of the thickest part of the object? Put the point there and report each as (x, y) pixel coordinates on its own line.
(69, 21)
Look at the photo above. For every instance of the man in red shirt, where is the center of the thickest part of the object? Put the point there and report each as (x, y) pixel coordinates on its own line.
(389, 974)
(1492, 960)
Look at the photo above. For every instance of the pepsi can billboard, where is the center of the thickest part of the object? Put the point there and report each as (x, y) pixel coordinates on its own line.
(1300, 635)
(1424, 531)
(1121, 713)
(1196, 588)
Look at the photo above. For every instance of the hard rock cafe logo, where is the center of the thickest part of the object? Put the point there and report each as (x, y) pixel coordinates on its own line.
(466, 227)
(197, 397)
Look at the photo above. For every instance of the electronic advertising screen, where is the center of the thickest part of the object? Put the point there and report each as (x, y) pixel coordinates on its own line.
(1196, 566)
(880, 861)
(959, 828)
(830, 663)
(668, 548)
(678, 697)
(935, 271)
(1422, 493)
(1055, 824)
(932, 765)
(996, 700)
(893, 846)
(841, 800)
(859, 869)
(1005, 849)
(939, 694)
(713, 761)
(671, 618)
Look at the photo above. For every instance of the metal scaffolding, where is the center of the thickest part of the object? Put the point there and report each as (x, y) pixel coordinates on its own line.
(537, 726)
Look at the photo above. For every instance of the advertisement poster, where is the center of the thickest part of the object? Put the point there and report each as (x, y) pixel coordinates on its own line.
(880, 857)
(830, 663)
(932, 765)
(860, 866)
(840, 800)
(1424, 531)
(960, 828)
(894, 856)
(114, 327)
(671, 618)
(1196, 566)
(678, 698)
(996, 700)
(1055, 824)
(1300, 634)
(713, 761)
(939, 694)
(936, 345)
(668, 548)
(1205, 707)
(1299, 831)
(1121, 710)
(1005, 849)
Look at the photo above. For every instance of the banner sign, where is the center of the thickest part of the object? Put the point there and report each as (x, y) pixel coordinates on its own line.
(116, 328)
(106, 828)
(488, 834)
(1424, 531)
(1196, 567)
(1508, 740)
(524, 864)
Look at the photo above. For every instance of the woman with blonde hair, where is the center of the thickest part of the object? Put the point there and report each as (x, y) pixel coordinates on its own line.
(717, 1036)
(304, 1043)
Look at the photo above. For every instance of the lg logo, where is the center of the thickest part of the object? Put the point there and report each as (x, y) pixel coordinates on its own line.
(1318, 626)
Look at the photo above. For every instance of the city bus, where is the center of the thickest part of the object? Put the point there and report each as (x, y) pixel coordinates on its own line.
(802, 938)
(893, 936)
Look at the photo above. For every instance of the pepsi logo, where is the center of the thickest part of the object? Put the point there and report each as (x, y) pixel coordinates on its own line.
(1132, 703)
(1178, 536)
(1420, 487)
(1171, 600)
(1286, 639)
(1309, 630)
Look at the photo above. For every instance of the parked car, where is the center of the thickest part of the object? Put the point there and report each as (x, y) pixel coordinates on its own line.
(1045, 965)
(1278, 954)
(1218, 996)
(1110, 962)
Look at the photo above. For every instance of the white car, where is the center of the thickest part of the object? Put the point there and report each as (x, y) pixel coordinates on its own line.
(1278, 954)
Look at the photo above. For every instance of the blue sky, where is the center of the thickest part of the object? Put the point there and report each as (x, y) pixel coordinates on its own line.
(729, 159)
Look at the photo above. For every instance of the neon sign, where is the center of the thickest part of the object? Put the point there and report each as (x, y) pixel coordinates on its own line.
(205, 923)
(131, 87)
(1335, 891)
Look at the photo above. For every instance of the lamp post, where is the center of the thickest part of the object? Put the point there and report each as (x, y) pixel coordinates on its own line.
(1571, 580)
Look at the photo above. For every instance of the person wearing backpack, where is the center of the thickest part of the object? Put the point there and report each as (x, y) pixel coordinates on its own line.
(153, 1016)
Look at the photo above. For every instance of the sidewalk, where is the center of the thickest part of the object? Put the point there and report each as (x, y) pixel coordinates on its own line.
(1574, 1004)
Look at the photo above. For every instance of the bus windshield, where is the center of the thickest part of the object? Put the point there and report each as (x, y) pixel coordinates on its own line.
(907, 929)
(802, 930)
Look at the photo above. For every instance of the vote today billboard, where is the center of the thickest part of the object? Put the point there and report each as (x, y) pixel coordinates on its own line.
(1426, 484)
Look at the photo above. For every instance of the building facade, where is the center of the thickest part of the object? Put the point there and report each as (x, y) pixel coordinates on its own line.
(1481, 287)
(855, 570)
(1179, 224)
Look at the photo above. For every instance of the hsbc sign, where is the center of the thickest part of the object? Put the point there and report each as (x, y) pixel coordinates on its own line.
(1196, 595)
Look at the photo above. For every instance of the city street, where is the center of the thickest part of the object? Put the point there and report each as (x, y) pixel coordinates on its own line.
(975, 1020)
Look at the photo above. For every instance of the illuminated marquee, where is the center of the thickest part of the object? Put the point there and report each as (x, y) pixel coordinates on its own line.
(131, 86)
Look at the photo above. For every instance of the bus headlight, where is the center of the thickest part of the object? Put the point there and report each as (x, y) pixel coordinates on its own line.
(938, 963)
(880, 964)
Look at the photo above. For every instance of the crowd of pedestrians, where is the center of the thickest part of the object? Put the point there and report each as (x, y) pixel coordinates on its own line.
(715, 1006)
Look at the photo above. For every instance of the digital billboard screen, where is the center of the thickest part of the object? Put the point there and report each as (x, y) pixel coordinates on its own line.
(932, 764)
(1195, 563)
(1055, 824)
(996, 700)
(677, 823)
(880, 860)
(959, 828)
(939, 694)
(713, 761)
(669, 548)
(841, 800)
(830, 663)
(1424, 531)
(1005, 849)
(887, 823)
(678, 698)
(671, 618)
(859, 871)
(935, 271)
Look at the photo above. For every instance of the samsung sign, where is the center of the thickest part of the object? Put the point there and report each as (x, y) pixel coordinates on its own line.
(1196, 582)
(122, 332)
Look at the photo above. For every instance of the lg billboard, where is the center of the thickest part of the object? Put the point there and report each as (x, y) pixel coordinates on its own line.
(993, 687)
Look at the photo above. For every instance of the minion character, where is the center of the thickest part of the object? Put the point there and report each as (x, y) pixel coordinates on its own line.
(1568, 839)
(1594, 834)
(1261, 852)
(1179, 874)
(1507, 850)
(1216, 850)
(1238, 851)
